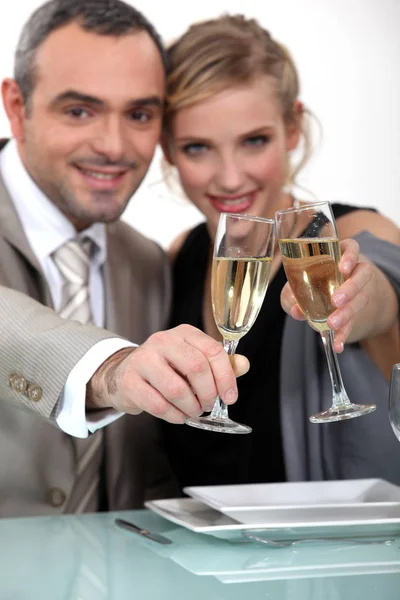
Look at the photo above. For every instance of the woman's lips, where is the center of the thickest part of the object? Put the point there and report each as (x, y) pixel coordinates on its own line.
(233, 204)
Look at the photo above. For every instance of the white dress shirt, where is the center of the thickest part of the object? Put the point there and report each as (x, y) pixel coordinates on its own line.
(46, 229)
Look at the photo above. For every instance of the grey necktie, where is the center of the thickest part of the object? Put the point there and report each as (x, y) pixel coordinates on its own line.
(73, 262)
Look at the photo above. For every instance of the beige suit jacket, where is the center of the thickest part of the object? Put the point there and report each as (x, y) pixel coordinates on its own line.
(36, 458)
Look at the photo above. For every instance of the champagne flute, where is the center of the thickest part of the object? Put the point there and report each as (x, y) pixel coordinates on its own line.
(310, 251)
(241, 267)
(394, 400)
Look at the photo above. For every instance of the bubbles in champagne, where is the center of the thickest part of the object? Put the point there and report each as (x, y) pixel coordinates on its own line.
(311, 267)
(238, 288)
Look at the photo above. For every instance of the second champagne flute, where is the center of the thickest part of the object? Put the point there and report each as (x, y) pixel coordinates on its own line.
(241, 267)
(394, 400)
(310, 251)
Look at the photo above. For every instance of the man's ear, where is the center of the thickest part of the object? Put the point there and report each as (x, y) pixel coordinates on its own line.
(166, 148)
(14, 106)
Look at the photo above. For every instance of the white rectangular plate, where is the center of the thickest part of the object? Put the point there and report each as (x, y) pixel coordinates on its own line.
(304, 503)
(200, 518)
(204, 555)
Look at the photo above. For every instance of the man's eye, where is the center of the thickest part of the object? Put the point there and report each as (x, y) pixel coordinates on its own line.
(78, 113)
(140, 116)
(194, 148)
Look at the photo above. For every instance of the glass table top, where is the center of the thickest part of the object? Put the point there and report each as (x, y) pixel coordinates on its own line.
(88, 557)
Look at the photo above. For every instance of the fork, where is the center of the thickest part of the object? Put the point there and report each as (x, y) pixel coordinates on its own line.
(287, 543)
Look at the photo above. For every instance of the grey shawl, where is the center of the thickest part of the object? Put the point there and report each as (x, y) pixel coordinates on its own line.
(352, 449)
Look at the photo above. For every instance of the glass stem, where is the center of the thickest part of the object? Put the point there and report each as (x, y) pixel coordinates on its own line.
(340, 398)
(220, 410)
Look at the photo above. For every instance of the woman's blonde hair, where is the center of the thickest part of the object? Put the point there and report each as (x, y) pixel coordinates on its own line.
(229, 51)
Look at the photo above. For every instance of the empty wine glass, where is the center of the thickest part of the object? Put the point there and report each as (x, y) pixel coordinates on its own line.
(310, 251)
(241, 267)
(394, 400)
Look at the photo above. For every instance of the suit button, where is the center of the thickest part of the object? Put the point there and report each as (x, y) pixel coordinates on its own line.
(11, 379)
(34, 392)
(55, 497)
(20, 384)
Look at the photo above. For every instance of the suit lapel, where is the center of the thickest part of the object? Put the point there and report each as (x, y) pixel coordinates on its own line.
(121, 297)
(13, 232)
(119, 288)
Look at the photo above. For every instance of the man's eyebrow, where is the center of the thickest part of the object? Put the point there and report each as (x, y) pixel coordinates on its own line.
(87, 99)
(148, 101)
(76, 96)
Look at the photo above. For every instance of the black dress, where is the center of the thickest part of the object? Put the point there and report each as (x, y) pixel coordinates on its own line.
(207, 458)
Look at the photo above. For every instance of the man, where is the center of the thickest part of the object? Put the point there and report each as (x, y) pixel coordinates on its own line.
(85, 109)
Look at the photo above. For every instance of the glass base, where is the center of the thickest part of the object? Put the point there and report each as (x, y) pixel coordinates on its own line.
(220, 425)
(343, 412)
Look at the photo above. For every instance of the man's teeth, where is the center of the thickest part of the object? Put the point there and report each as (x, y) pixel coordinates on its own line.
(97, 175)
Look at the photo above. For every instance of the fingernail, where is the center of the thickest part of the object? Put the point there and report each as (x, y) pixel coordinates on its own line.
(346, 267)
(230, 396)
(335, 322)
(339, 299)
(341, 346)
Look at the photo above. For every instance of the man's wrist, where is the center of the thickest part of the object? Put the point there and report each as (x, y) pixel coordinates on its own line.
(103, 384)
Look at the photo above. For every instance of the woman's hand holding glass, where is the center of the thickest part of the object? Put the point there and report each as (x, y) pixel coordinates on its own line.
(311, 255)
(349, 299)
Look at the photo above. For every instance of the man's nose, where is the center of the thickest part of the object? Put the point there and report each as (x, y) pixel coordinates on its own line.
(110, 140)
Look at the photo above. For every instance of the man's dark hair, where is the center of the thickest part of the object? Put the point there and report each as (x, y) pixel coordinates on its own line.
(105, 17)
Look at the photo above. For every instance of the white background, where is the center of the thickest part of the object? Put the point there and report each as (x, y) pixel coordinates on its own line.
(348, 55)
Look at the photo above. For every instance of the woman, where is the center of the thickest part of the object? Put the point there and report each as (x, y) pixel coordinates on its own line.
(233, 118)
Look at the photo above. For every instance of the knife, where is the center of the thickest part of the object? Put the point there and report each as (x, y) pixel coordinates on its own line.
(155, 537)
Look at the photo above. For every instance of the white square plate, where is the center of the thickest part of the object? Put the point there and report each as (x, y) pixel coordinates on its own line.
(200, 518)
(303, 503)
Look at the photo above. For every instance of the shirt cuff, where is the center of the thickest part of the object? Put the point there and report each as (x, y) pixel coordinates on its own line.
(71, 416)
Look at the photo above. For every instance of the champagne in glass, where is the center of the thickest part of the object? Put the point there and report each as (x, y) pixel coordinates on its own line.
(312, 268)
(310, 251)
(238, 287)
(240, 274)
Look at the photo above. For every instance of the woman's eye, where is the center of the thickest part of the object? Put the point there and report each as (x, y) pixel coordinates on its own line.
(194, 148)
(258, 140)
